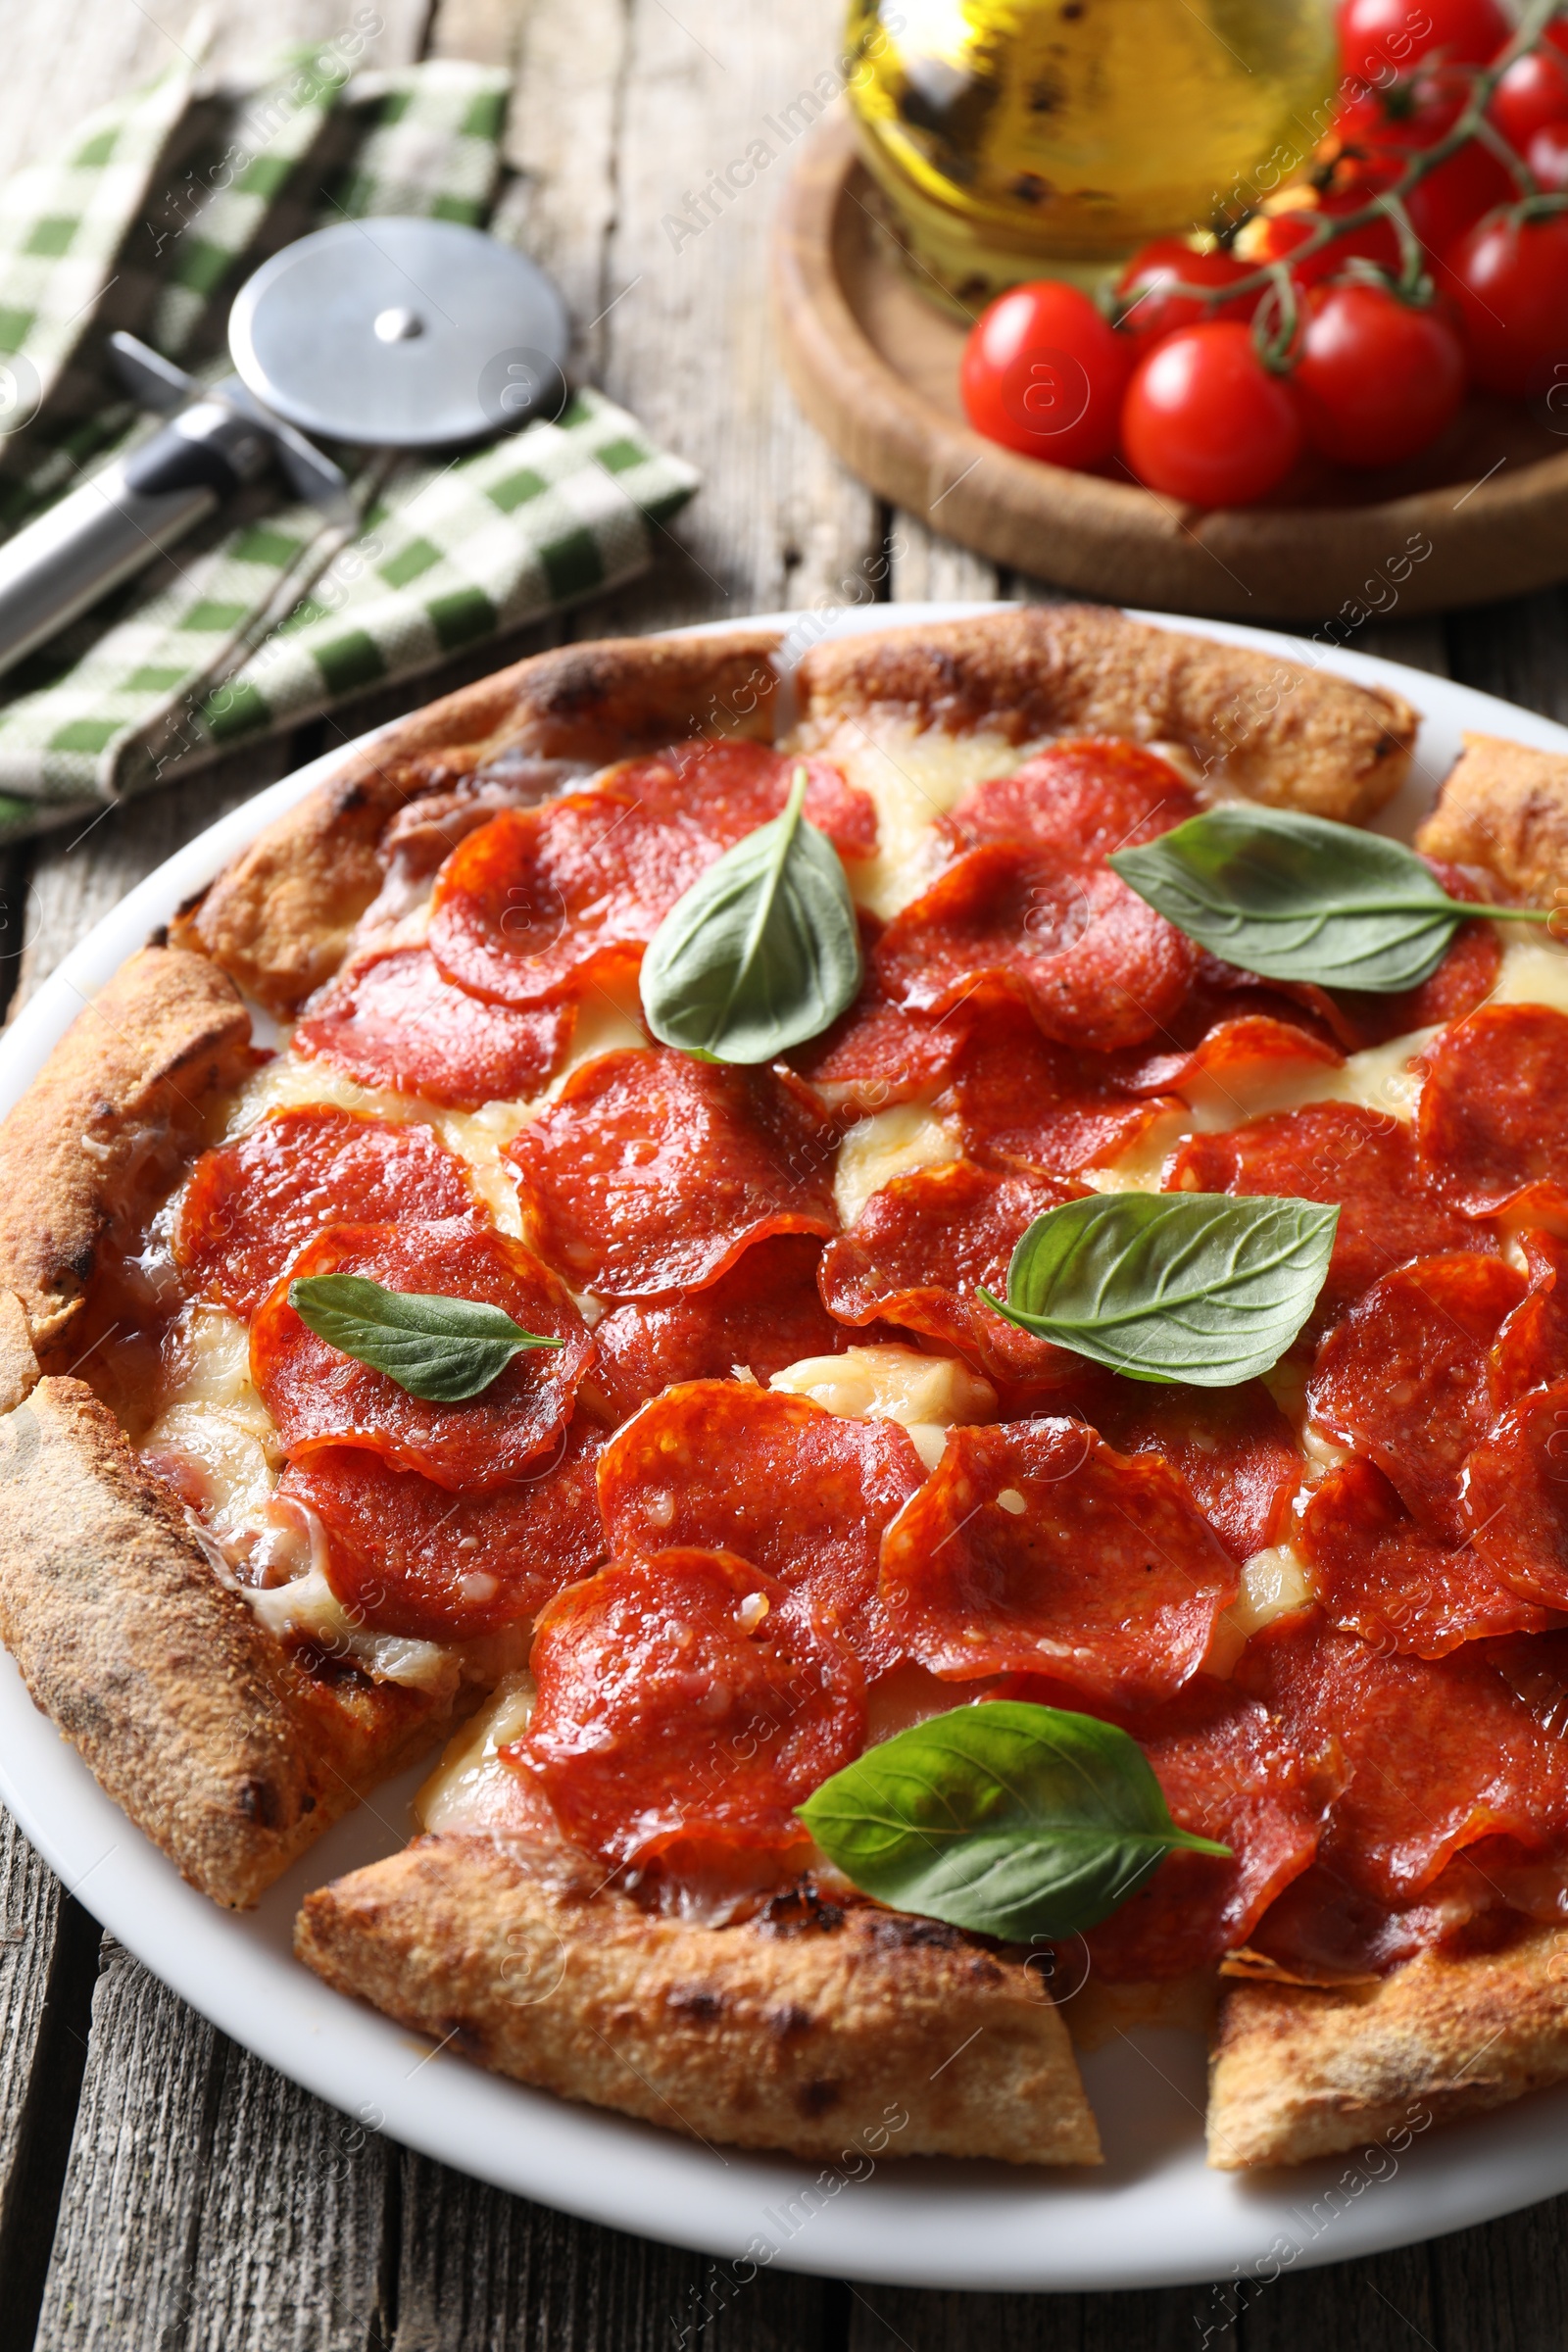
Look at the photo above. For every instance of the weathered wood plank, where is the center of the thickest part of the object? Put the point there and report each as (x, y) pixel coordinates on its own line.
(292, 2250)
(688, 342)
(1518, 649)
(48, 1966)
(139, 2160)
(925, 568)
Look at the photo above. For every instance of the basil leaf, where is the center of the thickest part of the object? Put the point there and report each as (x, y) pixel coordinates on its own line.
(1295, 898)
(762, 952)
(1195, 1287)
(1005, 1818)
(440, 1349)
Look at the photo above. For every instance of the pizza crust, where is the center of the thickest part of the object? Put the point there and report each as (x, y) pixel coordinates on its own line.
(281, 916)
(1250, 722)
(797, 2029)
(1297, 2073)
(99, 1136)
(229, 1755)
(1504, 806)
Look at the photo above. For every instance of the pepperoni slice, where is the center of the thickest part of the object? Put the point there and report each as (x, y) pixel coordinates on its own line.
(654, 1172)
(1432, 1753)
(1033, 1547)
(1092, 961)
(320, 1397)
(1462, 981)
(1391, 1210)
(765, 1313)
(1233, 1448)
(1021, 1100)
(394, 1021)
(1406, 1377)
(1233, 1055)
(686, 1697)
(878, 1052)
(1322, 1932)
(250, 1204)
(803, 1492)
(1227, 1774)
(1082, 798)
(1516, 1496)
(1532, 1349)
(1380, 1574)
(925, 1244)
(406, 1556)
(542, 902)
(1494, 1117)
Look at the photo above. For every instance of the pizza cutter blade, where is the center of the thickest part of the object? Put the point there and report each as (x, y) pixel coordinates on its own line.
(383, 333)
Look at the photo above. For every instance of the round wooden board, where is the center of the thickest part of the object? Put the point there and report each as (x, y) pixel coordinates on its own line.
(875, 367)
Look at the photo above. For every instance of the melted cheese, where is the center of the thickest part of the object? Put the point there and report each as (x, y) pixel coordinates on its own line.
(914, 775)
(471, 1788)
(926, 1394)
(884, 1145)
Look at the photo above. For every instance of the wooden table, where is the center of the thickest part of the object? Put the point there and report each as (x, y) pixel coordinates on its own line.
(159, 2187)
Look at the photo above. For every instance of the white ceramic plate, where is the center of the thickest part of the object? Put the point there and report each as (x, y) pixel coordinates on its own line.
(1154, 2215)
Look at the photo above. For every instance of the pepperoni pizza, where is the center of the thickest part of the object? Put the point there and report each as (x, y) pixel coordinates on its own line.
(669, 1432)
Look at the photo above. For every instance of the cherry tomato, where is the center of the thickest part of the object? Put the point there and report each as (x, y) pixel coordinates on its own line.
(1205, 420)
(1151, 312)
(1043, 373)
(1510, 278)
(1547, 156)
(1453, 197)
(1378, 38)
(1376, 378)
(1534, 91)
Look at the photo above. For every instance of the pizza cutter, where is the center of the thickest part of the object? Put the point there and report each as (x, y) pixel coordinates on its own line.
(383, 333)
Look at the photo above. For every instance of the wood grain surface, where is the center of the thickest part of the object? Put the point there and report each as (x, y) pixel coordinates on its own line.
(160, 2189)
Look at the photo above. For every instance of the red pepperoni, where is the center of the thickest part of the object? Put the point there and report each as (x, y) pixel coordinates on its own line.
(320, 1397)
(654, 1172)
(922, 1247)
(1092, 961)
(878, 1052)
(729, 789)
(250, 1204)
(1380, 1574)
(688, 1697)
(1081, 798)
(803, 1492)
(1033, 1547)
(1531, 1347)
(1406, 1378)
(1431, 1754)
(765, 1313)
(1462, 981)
(1322, 1932)
(1233, 1055)
(1516, 1496)
(1021, 1100)
(1227, 1774)
(1494, 1118)
(1233, 1447)
(394, 1021)
(406, 1556)
(542, 902)
(1389, 1209)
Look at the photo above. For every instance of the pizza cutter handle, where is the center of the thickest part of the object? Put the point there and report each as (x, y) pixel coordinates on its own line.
(107, 528)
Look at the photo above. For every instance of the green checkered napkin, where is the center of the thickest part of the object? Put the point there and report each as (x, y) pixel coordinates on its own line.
(164, 205)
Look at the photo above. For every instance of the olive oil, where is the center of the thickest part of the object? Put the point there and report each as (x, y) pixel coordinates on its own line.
(1020, 137)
